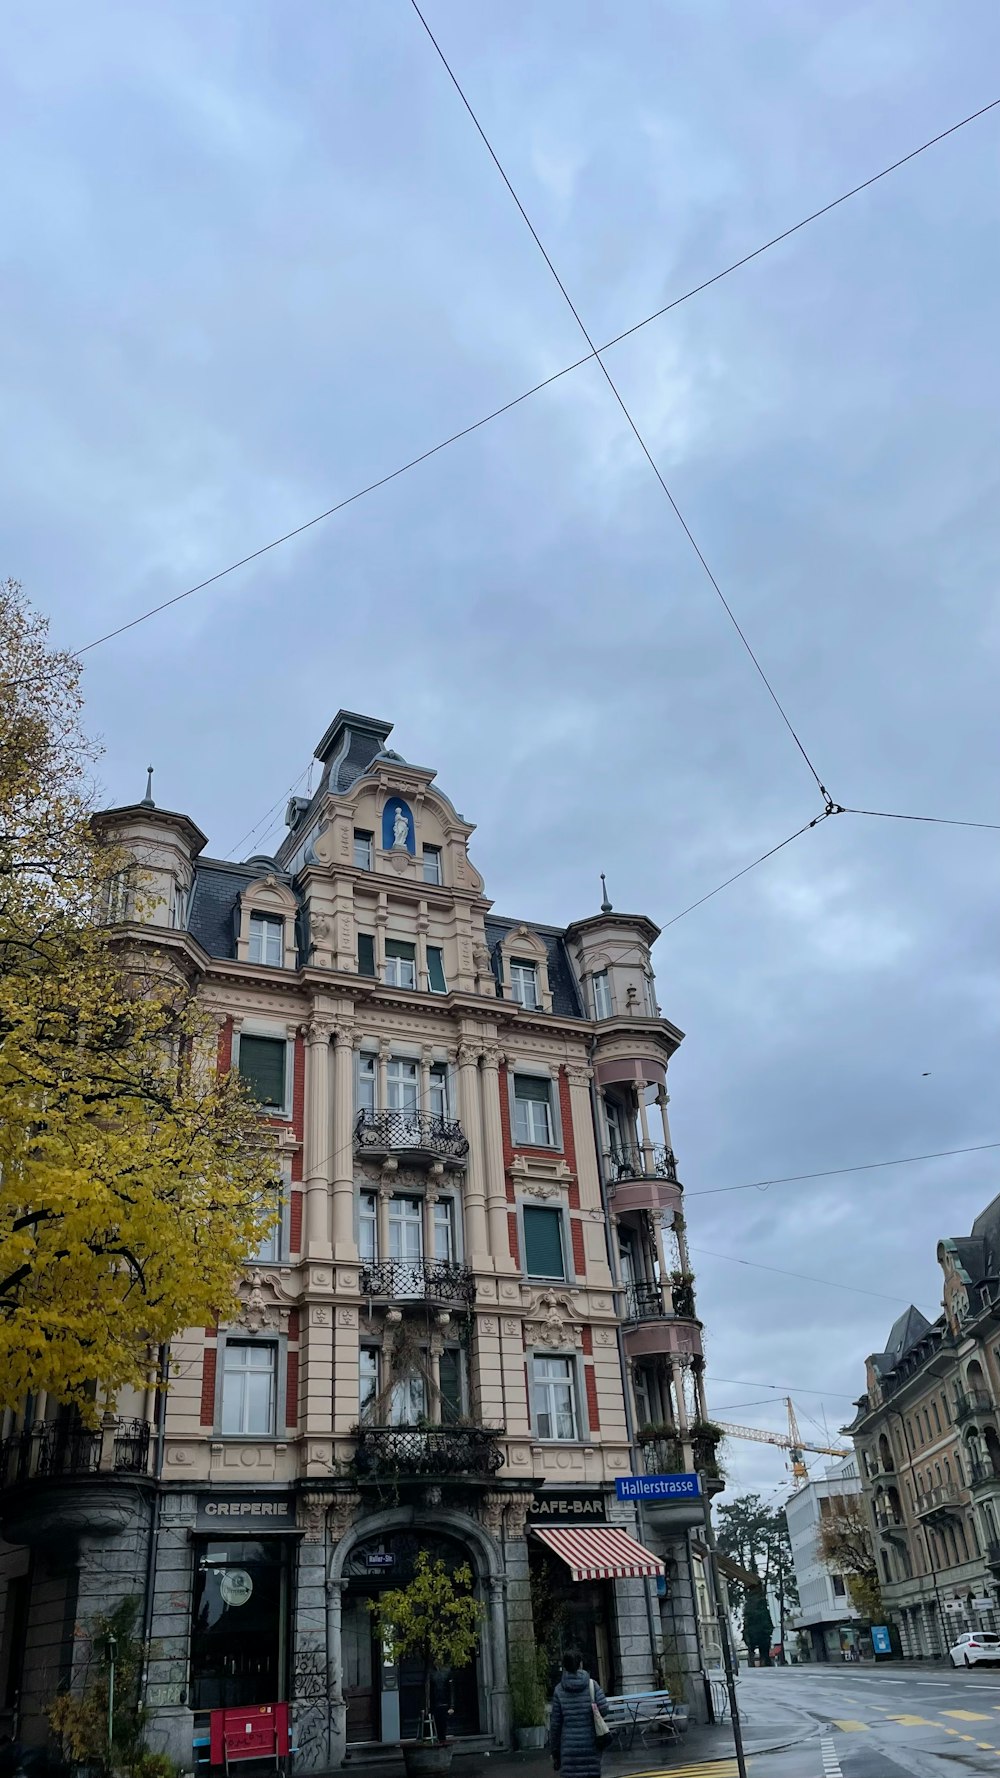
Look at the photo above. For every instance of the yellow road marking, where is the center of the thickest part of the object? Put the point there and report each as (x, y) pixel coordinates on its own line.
(725, 1768)
(849, 1723)
(917, 1722)
(967, 1715)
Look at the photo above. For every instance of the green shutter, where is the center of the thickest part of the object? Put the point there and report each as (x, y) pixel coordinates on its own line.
(451, 1386)
(397, 947)
(435, 969)
(262, 1066)
(533, 1086)
(366, 953)
(543, 1253)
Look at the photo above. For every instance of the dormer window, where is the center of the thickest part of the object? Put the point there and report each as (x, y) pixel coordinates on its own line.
(524, 983)
(267, 940)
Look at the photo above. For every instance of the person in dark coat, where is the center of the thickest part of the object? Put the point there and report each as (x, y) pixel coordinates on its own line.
(441, 1707)
(576, 1751)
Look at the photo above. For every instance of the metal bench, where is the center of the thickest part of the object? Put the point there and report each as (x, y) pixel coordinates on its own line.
(642, 1712)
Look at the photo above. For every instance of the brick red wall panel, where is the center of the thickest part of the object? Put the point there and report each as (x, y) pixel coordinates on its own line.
(588, 1341)
(566, 1114)
(225, 1061)
(574, 1195)
(208, 1385)
(511, 1194)
(293, 1324)
(512, 1236)
(295, 1222)
(297, 1164)
(298, 1104)
(292, 1391)
(579, 1257)
(508, 1141)
(591, 1384)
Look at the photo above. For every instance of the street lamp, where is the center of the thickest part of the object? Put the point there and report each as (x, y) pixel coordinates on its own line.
(112, 1654)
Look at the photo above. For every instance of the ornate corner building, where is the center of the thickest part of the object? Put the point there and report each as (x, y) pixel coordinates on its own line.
(473, 1314)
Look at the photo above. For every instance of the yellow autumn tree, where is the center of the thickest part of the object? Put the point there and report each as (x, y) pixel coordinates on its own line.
(132, 1176)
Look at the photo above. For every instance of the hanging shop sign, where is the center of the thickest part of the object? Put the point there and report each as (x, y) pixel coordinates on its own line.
(235, 1586)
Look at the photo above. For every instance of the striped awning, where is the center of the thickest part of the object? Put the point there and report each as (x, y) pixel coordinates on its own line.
(599, 1552)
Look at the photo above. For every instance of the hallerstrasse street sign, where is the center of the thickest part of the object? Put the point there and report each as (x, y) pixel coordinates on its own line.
(657, 1487)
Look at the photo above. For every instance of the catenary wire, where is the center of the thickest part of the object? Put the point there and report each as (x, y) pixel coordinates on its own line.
(806, 1277)
(612, 385)
(747, 867)
(636, 327)
(905, 1160)
(231, 850)
(778, 1388)
(931, 820)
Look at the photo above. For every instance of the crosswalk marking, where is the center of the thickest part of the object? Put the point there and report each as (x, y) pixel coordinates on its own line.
(711, 1768)
(967, 1715)
(849, 1724)
(831, 1764)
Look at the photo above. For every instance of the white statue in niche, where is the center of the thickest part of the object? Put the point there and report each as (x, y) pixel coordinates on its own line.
(400, 829)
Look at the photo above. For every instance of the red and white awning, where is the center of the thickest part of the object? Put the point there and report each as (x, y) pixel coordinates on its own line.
(600, 1552)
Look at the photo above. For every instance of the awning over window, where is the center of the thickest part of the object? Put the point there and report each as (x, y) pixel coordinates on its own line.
(600, 1552)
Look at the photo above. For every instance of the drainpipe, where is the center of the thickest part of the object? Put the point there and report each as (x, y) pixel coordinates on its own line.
(616, 1297)
(163, 1367)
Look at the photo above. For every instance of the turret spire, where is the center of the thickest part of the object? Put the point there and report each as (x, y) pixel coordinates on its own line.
(147, 801)
(605, 904)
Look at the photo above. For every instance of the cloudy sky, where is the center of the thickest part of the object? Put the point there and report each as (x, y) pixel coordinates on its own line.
(255, 257)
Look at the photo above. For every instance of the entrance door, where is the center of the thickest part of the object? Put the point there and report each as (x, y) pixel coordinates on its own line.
(358, 1651)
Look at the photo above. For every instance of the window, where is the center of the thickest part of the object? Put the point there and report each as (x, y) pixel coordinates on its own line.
(602, 995)
(532, 1111)
(366, 953)
(838, 1586)
(554, 1397)
(118, 895)
(432, 864)
(651, 1006)
(368, 1226)
(267, 939)
(401, 1085)
(524, 983)
(262, 1066)
(407, 1401)
(945, 1407)
(937, 1416)
(367, 1082)
(270, 1250)
(362, 849)
(400, 964)
(367, 1378)
(443, 1224)
(248, 1393)
(451, 1386)
(825, 1508)
(543, 1243)
(406, 1229)
(435, 970)
(439, 1090)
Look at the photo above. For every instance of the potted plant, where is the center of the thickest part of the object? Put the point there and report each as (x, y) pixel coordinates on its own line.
(527, 1694)
(436, 1619)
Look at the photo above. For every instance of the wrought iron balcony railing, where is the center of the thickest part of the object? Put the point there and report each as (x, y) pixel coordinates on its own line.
(629, 1161)
(431, 1451)
(410, 1132)
(973, 1404)
(120, 1447)
(418, 1280)
(644, 1302)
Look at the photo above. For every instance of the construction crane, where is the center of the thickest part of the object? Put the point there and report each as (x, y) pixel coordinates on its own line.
(790, 1441)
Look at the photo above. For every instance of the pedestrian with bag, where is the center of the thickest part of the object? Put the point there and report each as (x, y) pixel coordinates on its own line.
(578, 1733)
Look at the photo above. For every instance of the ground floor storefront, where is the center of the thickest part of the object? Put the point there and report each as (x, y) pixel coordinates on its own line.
(258, 1596)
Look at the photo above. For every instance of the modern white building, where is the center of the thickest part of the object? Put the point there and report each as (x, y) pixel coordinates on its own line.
(825, 1618)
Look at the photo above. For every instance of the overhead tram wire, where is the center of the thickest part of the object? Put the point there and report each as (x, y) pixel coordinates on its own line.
(536, 389)
(778, 1388)
(612, 385)
(905, 1160)
(804, 1277)
(748, 867)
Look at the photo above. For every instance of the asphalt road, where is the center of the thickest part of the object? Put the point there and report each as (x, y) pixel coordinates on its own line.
(870, 1722)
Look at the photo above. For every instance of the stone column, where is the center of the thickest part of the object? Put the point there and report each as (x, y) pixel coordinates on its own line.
(663, 1100)
(310, 1655)
(318, 1144)
(337, 1733)
(384, 1052)
(424, 1090)
(477, 1244)
(678, 1372)
(431, 1196)
(647, 1146)
(382, 1211)
(344, 1240)
(496, 1185)
(656, 1217)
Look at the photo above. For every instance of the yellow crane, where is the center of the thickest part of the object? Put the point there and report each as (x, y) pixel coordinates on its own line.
(790, 1441)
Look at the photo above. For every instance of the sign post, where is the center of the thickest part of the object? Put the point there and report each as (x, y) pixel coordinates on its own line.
(720, 1612)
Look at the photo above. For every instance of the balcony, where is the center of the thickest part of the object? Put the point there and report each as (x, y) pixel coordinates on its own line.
(50, 1449)
(940, 1502)
(973, 1404)
(644, 1302)
(59, 1482)
(651, 1327)
(419, 1281)
(993, 1556)
(983, 1474)
(415, 1136)
(402, 1453)
(629, 1161)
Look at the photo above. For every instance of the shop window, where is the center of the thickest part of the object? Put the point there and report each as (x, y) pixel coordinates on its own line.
(543, 1243)
(249, 1395)
(239, 1623)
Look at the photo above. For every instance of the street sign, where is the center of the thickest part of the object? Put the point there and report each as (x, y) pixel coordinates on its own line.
(982, 1604)
(380, 1559)
(657, 1487)
(880, 1640)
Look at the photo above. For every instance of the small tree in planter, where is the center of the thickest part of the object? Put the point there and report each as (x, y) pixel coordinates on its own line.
(527, 1693)
(436, 1619)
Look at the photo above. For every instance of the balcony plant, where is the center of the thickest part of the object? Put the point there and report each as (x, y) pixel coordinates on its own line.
(527, 1693)
(436, 1619)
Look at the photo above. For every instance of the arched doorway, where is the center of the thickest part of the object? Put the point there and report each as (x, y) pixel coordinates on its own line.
(383, 1702)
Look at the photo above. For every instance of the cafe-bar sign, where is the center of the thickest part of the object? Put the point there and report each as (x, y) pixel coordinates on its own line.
(657, 1487)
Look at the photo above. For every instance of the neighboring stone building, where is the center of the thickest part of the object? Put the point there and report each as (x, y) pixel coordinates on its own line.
(477, 1311)
(926, 1434)
(824, 1617)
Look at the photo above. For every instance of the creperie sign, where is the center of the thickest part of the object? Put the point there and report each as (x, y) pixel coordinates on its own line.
(262, 1512)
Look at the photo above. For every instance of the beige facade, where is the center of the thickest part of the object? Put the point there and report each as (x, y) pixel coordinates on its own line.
(927, 1438)
(477, 1312)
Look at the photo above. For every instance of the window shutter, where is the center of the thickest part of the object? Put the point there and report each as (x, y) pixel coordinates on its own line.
(398, 947)
(543, 1252)
(532, 1086)
(366, 953)
(262, 1066)
(451, 1386)
(435, 969)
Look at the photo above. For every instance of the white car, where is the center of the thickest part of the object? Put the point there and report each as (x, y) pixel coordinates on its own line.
(977, 1645)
